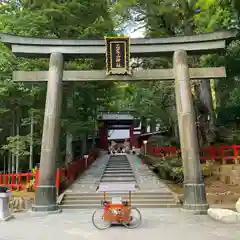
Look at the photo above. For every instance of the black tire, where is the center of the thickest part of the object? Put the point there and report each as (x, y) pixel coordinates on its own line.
(139, 221)
(108, 224)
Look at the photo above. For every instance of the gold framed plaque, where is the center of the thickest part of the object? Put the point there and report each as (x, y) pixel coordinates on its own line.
(117, 55)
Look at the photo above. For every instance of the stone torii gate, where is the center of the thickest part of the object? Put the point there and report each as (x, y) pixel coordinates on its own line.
(58, 50)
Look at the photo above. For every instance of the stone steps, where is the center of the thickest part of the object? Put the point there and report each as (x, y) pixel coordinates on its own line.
(115, 171)
(118, 179)
(142, 205)
(139, 199)
(119, 170)
(134, 201)
(97, 197)
(119, 175)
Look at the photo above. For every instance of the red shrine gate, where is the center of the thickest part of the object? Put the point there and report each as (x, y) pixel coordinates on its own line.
(113, 121)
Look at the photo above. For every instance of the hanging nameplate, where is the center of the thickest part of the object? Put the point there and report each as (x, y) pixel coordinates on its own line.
(117, 55)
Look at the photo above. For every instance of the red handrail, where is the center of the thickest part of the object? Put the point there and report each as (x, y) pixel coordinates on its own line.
(64, 176)
(224, 153)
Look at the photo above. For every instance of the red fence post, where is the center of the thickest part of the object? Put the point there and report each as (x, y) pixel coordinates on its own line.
(18, 181)
(36, 178)
(235, 153)
(58, 180)
(221, 149)
(212, 153)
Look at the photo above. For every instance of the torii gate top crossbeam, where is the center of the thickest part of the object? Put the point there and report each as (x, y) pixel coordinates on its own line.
(145, 47)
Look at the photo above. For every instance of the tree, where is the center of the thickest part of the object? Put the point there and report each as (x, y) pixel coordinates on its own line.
(58, 19)
(168, 18)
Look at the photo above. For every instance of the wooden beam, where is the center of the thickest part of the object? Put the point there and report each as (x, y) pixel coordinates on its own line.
(139, 75)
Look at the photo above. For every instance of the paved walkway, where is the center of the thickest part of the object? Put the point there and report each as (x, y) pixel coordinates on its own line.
(146, 179)
(158, 224)
(89, 180)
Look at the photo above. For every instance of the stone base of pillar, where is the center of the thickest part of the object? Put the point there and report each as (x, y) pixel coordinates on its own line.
(195, 198)
(5, 212)
(45, 200)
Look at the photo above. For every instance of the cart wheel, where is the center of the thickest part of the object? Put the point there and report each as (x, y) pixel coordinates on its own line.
(98, 220)
(135, 218)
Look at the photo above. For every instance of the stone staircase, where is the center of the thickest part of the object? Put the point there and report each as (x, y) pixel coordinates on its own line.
(118, 169)
(139, 199)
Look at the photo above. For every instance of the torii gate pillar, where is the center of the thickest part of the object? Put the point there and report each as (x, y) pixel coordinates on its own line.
(194, 189)
(46, 192)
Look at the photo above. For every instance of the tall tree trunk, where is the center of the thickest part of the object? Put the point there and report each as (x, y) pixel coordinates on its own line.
(174, 119)
(13, 134)
(176, 132)
(94, 130)
(208, 123)
(18, 136)
(69, 148)
(69, 136)
(84, 144)
(93, 140)
(31, 142)
(4, 164)
(9, 161)
(94, 137)
(206, 98)
(152, 126)
(143, 125)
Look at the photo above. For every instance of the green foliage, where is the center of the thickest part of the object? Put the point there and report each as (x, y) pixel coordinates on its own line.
(170, 168)
(17, 145)
(153, 100)
(57, 19)
(161, 141)
(95, 19)
(213, 15)
(165, 18)
(207, 168)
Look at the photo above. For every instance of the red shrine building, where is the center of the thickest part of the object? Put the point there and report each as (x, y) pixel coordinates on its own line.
(117, 121)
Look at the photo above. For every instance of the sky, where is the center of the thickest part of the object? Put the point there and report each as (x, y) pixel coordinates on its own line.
(137, 34)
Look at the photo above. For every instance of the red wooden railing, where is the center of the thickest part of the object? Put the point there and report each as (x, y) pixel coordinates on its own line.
(228, 153)
(64, 177)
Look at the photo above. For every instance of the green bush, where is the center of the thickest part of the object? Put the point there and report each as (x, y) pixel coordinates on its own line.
(207, 169)
(170, 168)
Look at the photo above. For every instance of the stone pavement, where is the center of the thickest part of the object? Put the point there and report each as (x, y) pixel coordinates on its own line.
(157, 224)
(146, 179)
(151, 192)
(89, 180)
